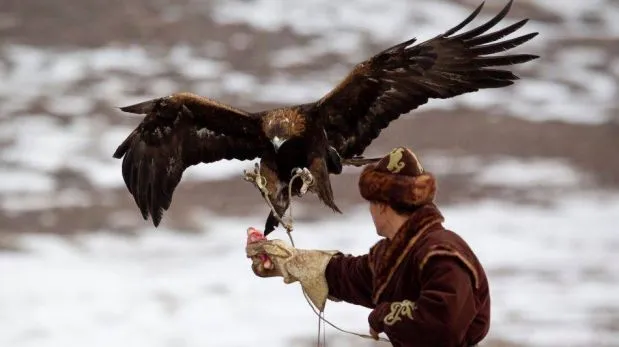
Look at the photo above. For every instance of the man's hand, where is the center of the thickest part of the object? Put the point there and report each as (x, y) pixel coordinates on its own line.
(376, 319)
(270, 257)
(262, 265)
(374, 334)
(277, 258)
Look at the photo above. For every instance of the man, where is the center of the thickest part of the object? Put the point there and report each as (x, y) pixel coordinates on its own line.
(424, 284)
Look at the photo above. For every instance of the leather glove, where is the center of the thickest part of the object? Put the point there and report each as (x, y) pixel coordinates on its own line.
(305, 266)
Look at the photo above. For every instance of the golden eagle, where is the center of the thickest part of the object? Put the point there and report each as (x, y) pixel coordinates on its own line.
(316, 138)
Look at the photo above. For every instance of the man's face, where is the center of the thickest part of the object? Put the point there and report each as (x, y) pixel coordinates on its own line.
(379, 216)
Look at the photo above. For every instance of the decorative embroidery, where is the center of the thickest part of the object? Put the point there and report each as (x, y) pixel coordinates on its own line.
(395, 160)
(400, 309)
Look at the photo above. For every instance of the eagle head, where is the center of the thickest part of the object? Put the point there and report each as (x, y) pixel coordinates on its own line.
(278, 135)
(282, 125)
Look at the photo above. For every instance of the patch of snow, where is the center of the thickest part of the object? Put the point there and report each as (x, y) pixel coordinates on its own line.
(12, 181)
(570, 8)
(344, 43)
(37, 73)
(220, 170)
(585, 56)
(528, 174)
(239, 83)
(441, 163)
(24, 201)
(70, 105)
(158, 87)
(186, 62)
(285, 91)
(135, 59)
(571, 11)
(42, 143)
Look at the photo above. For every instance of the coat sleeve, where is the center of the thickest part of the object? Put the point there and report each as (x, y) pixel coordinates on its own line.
(350, 279)
(442, 313)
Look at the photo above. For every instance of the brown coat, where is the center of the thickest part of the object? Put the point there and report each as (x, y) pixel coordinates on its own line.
(426, 287)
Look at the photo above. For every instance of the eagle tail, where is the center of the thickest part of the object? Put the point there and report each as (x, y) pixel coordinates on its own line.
(322, 184)
(325, 194)
(281, 204)
(270, 224)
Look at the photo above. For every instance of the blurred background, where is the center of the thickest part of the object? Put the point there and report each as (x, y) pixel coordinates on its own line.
(528, 175)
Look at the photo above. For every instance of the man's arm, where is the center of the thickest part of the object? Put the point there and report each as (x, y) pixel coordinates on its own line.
(445, 308)
(350, 279)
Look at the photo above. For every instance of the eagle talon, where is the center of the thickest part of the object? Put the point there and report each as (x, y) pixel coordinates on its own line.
(301, 171)
(257, 179)
(306, 176)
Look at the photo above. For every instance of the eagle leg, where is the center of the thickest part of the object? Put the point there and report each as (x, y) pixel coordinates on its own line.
(260, 181)
(306, 176)
(257, 179)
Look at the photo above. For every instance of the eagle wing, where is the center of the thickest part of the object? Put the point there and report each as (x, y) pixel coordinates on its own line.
(405, 76)
(175, 134)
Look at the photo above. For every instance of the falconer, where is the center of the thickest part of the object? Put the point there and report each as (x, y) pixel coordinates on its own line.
(423, 283)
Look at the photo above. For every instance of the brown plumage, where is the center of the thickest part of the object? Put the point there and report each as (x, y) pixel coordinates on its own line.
(185, 129)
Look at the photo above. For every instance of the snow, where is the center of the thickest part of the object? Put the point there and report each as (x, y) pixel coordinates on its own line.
(22, 200)
(387, 22)
(164, 288)
(552, 270)
(20, 181)
(529, 174)
(43, 143)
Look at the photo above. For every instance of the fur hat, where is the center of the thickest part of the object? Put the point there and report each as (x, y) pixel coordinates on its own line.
(398, 178)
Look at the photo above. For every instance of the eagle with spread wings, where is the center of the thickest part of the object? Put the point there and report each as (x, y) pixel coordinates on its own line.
(314, 139)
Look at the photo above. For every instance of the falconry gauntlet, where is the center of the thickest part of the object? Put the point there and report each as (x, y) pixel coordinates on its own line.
(305, 266)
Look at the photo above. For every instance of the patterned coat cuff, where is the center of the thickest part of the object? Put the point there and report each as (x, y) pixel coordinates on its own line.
(377, 316)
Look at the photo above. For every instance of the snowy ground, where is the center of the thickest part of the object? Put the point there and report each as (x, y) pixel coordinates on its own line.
(551, 272)
(546, 147)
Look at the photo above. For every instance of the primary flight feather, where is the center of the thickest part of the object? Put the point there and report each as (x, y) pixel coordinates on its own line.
(184, 129)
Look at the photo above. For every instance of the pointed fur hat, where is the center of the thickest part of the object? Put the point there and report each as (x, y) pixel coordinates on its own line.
(397, 178)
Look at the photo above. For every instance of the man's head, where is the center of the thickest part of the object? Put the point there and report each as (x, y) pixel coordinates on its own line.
(395, 187)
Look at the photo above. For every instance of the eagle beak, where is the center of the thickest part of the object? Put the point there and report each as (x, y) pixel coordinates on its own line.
(277, 142)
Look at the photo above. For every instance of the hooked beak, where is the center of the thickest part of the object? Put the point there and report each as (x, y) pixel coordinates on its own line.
(277, 142)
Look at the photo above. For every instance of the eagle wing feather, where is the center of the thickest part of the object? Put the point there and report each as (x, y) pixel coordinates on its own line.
(405, 76)
(175, 134)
